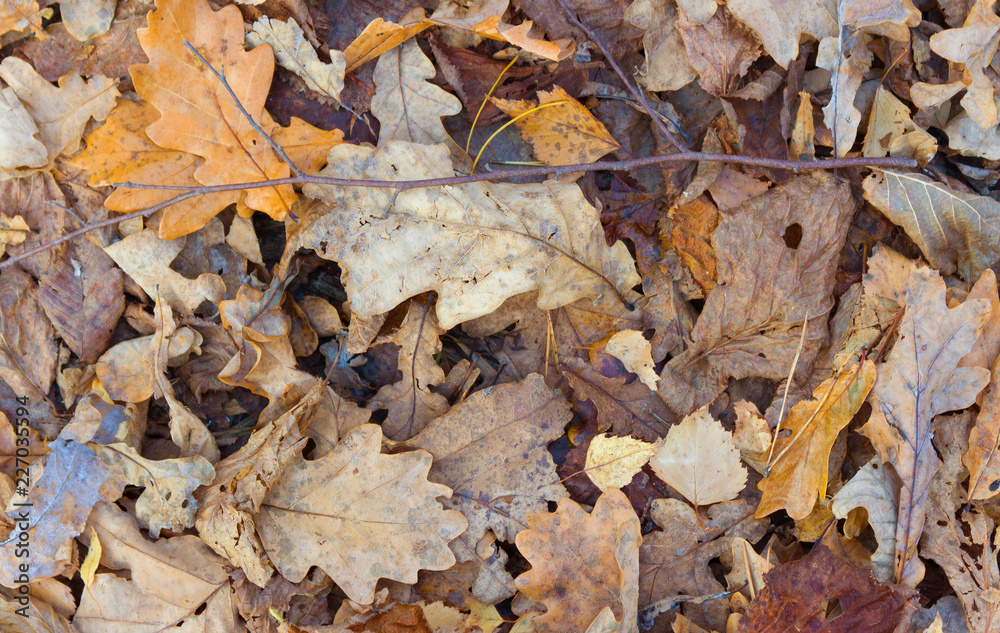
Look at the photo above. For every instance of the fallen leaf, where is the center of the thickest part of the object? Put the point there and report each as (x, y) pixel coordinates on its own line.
(634, 351)
(720, 50)
(667, 66)
(966, 137)
(12, 231)
(485, 18)
(612, 462)
(752, 320)
(381, 36)
(691, 237)
(34, 617)
(798, 475)
(378, 514)
(596, 554)
(870, 489)
(491, 450)
(982, 458)
(847, 58)
(444, 240)
(87, 19)
(797, 594)
(18, 145)
(28, 350)
(919, 380)
(780, 24)
(206, 121)
(698, 459)
(604, 17)
(61, 113)
(563, 134)
(411, 403)
(892, 131)
(956, 231)
(294, 52)
(17, 15)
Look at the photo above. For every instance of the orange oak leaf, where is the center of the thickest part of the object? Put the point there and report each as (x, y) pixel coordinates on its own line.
(582, 563)
(197, 114)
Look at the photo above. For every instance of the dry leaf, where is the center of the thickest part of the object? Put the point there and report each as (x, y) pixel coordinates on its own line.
(485, 18)
(476, 244)
(18, 145)
(87, 19)
(982, 458)
(294, 52)
(847, 58)
(12, 231)
(667, 66)
(955, 231)
(780, 24)
(26, 614)
(62, 112)
(698, 460)
(595, 554)
(17, 15)
(635, 352)
(798, 475)
(411, 403)
(966, 137)
(691, 237)
(206, 121)
(381, 36)
(612, 462)
(563, 134)
(29, 352)
(919, 380)
(491, 450)
(720, 50)
(407, 105)
(359, 516)
(870, 489)
(892, 131)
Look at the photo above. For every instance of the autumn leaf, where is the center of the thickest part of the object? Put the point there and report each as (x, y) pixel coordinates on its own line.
(667, 66)
(564, 133)
(12, 231)
(485, 18)
(205, 120)
(798, 475)
(697, 458)
(869, 489)
(892, 131)
(296, 54)
(16, 15)
(721, 49)
(378, 513)
(444, 240)
(612, 462)
(982, 458)
(955, 231)
(381, 36)
(919, 380)
(18, 145)
(635, 352)
(596, 554)
(780, 24)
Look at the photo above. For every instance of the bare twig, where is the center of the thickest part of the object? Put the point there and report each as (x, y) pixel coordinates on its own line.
(636, 92)
(239, 104)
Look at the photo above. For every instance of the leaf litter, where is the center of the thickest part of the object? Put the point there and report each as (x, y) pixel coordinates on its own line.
(727, 397)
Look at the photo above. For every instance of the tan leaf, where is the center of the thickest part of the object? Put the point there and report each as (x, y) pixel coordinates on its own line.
(752, 321)
(889, 125)
(612, 462)
(410, 401)
(597, 554)
(634, 351)
(18, 145)
(955, 231)
(983, 458)
(563, 134)
(62, 112)
(12, 231)
(17, 15)
(485, 18)
(675, 561)
(802, 145)
(969, 139)
(780, 24)
(516, 421)
(294, 52)
(29, 352)
(798, 476)
(146, 259)
(720, 50)
(752, 436)
(848, 59)
(381, 36)
(919, 380)
(870, 489)
(87, 19)
(476, 244)
(407, 105)
(667, 66)
(698, 460)
(359, 516)
(36, 616)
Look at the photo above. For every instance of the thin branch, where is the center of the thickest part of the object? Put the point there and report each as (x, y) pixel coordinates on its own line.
(636, 92)
(232, 93)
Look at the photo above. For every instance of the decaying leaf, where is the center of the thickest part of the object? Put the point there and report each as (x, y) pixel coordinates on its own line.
(698, 460)
(410, 401)
(667, 66)
(294, 52)
(956, 231)
(491, 450)
(635, 352)
(892, 131)
(381, 36)
(359, 516)
(563, 133)
(612, 462)
(582, 563)
(475, 245)
(18, 145)
(780, 24)
(16, 15)
(798, 475)
(870, 489)
(12, 231)
(983, 456)
(720, 49)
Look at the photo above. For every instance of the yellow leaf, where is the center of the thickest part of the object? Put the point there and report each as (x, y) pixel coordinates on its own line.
(798, 475)
(12, 231)
(92, 561)
(635, 352)
(612, 462)
(381, 36)
(563, 134)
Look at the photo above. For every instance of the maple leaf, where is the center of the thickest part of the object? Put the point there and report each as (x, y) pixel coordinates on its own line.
(411, 403)
(475, 245)
(596, 554)
(919, 380)
(516, 421)
(197, 114)
(798, 476)
(563, 134)
(378, 514)
(698, 459)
